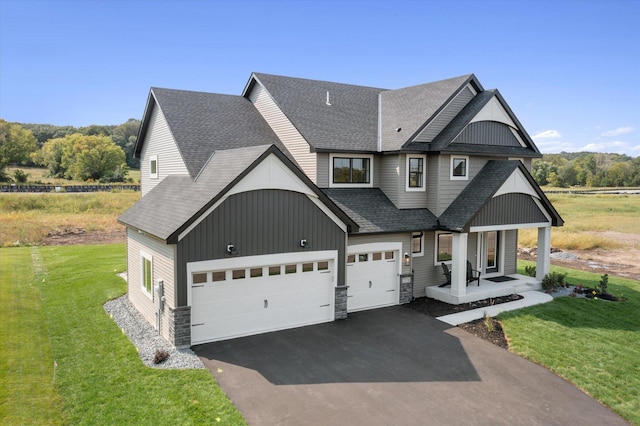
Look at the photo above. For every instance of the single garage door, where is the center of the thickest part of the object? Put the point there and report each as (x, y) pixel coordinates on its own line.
(373, 276)
(249, 295)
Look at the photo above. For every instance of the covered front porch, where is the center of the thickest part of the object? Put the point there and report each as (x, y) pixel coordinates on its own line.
(514, 283)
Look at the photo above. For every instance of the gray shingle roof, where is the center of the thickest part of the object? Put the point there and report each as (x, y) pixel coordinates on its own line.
(411, 107)
(202, 123)
(444, 141)
(375, 213)
(482, 188)
(350, 123)
(175, 201)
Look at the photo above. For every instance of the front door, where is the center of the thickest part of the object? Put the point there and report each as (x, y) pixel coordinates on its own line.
(490, 251)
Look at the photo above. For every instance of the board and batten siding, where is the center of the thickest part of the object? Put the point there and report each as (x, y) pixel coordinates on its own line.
(260, 222)
(488, 133)
(445, 116)
(285, 130)
(162, 260)
(509, 209)
(159, 141)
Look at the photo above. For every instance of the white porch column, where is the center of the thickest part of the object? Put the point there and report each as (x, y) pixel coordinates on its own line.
(544, 250)
(459, 264)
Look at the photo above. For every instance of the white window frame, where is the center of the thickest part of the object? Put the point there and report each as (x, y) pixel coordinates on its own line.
(351, 185)
(437, 262)
(422, 188)
(146, 256)
(152, 159)
(466, 175)
(421, 252)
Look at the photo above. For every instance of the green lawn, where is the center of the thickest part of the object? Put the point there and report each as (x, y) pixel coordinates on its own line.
(53, 312)
(594, 344)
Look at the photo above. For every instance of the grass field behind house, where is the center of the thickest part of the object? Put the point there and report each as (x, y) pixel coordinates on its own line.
(52, 299)
(586, 218)
(594, 344)
(41, 174)
(27, 219)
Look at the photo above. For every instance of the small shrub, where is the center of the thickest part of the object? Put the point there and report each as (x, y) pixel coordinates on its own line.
(552, 281)
(530, 270)
(160, 356)
(20, 176)
(604, 282)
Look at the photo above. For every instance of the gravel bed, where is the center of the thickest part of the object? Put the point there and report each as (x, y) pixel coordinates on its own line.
(146, 340)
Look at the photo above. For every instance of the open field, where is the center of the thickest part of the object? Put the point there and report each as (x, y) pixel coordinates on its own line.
(52, 299)
(40, 174)
(592, 343)
(39, 219)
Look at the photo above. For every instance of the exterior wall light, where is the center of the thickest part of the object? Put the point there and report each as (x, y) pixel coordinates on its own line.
(304, 243)
(231, 249)
(407, 259)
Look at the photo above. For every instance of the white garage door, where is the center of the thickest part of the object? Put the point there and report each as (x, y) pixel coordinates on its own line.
(372, 276)
(249, 295)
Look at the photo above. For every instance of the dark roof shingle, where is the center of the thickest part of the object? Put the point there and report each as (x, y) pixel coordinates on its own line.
(375, 213)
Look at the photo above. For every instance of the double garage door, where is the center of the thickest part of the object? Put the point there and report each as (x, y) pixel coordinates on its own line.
(256, 294)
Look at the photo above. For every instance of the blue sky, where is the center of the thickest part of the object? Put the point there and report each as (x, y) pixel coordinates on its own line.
(568, 69)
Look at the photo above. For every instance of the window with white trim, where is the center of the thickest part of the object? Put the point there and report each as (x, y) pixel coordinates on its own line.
(415, 173)
(459, 167)
(153, 167)
(417, 244)
(350, 170)
(146, 272)
(444, 247)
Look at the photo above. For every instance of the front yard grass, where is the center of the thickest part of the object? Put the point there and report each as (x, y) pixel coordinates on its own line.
(594, 344)
(53, 299)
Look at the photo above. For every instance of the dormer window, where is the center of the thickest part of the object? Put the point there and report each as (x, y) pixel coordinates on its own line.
(459, 167)
(153, 167)
(350, 171)
(415, 173)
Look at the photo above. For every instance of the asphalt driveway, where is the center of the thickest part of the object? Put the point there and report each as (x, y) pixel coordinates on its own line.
(391, 366)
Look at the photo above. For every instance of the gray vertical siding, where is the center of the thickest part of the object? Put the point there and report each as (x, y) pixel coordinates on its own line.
(290, 136)
(487, 133)
(257, 223)
(159, 141)
(445, 116)
(509, 209)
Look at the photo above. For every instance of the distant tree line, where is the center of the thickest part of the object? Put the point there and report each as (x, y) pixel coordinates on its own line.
(587, 169)
(91, 153)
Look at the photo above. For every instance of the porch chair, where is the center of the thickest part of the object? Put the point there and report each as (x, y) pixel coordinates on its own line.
(447, 273)
(472, 274)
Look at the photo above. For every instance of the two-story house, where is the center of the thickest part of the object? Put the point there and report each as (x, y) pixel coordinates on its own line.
(300, 201)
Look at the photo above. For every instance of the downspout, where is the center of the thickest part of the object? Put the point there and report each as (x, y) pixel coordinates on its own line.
(380, 122)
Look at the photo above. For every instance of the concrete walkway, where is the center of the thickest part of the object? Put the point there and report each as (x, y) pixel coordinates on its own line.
(530, 298)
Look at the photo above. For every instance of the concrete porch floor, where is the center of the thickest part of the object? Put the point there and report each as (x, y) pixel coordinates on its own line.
(485, 290)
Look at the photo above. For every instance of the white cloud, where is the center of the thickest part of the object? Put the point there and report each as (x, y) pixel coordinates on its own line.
(618, 131)
(546, 135)
(613, 146)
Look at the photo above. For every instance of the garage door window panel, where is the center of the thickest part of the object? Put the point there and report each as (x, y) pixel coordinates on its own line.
(275, 270)
(323, 266)
(200, 278)
(290, 269)
(239, 274)
(217, 276)
(255, 272)
(307, 267)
